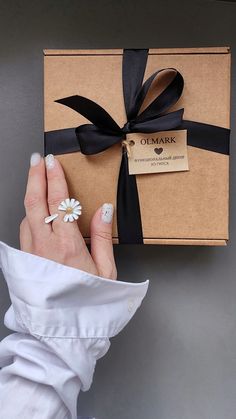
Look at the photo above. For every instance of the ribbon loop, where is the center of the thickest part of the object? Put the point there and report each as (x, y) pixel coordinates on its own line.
(165, 99)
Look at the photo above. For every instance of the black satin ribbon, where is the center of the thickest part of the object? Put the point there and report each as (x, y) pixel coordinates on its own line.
(105, 132)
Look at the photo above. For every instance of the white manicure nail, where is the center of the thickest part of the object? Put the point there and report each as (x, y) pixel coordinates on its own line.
(107, 213)
(50, 161)
(35, 159)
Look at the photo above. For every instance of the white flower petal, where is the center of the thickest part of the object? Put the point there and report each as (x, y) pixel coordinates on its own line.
(76, 203)
(72, 201)
(71, 218)
(66, 217)
(77, 211)
(78, 207)
(64, 203)
(75, 216)
(73, 205)
(67, 201)
(62, 207)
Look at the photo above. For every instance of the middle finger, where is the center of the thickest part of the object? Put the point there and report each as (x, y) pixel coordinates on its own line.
(58, 192)
(35, 202)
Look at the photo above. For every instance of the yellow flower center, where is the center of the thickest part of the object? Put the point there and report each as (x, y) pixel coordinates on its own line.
(69, 210)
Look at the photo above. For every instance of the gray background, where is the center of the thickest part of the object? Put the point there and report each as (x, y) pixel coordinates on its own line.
(176, 359)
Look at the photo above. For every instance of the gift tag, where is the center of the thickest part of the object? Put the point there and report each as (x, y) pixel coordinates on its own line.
(164, 151)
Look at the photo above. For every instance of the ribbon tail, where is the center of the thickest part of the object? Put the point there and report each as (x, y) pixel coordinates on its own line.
(60, 141)
(129, 222)
(206, 136)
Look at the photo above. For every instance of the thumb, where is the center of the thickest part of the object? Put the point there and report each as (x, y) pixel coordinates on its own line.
(101, 241)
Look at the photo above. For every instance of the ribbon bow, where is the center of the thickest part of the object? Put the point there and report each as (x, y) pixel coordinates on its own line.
(105, 132)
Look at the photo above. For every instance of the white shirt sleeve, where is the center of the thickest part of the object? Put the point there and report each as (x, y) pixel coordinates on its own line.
(63, 318)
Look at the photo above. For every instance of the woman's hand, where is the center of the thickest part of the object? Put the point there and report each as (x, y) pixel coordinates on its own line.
(62, 241)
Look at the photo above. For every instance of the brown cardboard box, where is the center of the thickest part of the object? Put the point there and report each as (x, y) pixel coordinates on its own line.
(187, 208)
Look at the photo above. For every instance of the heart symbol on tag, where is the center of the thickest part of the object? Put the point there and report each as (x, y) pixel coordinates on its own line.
(158, 150)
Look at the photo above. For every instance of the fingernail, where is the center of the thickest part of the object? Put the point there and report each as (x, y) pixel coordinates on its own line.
(50, 161)
(107, 213)
(35, 159)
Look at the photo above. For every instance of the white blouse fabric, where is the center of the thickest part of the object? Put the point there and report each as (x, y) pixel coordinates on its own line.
(63, 318)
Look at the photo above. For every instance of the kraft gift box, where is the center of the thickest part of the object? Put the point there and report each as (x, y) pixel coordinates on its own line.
(188, 207)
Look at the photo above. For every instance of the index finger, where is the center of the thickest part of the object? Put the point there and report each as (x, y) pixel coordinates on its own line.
(35, 202)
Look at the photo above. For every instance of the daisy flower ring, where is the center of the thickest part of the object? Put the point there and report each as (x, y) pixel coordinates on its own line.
(72, 209)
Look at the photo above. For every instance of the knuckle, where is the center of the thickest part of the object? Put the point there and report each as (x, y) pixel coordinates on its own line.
(66, 246)
(55, 198)
(31, 201)
(54, 175)
(102, 236)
